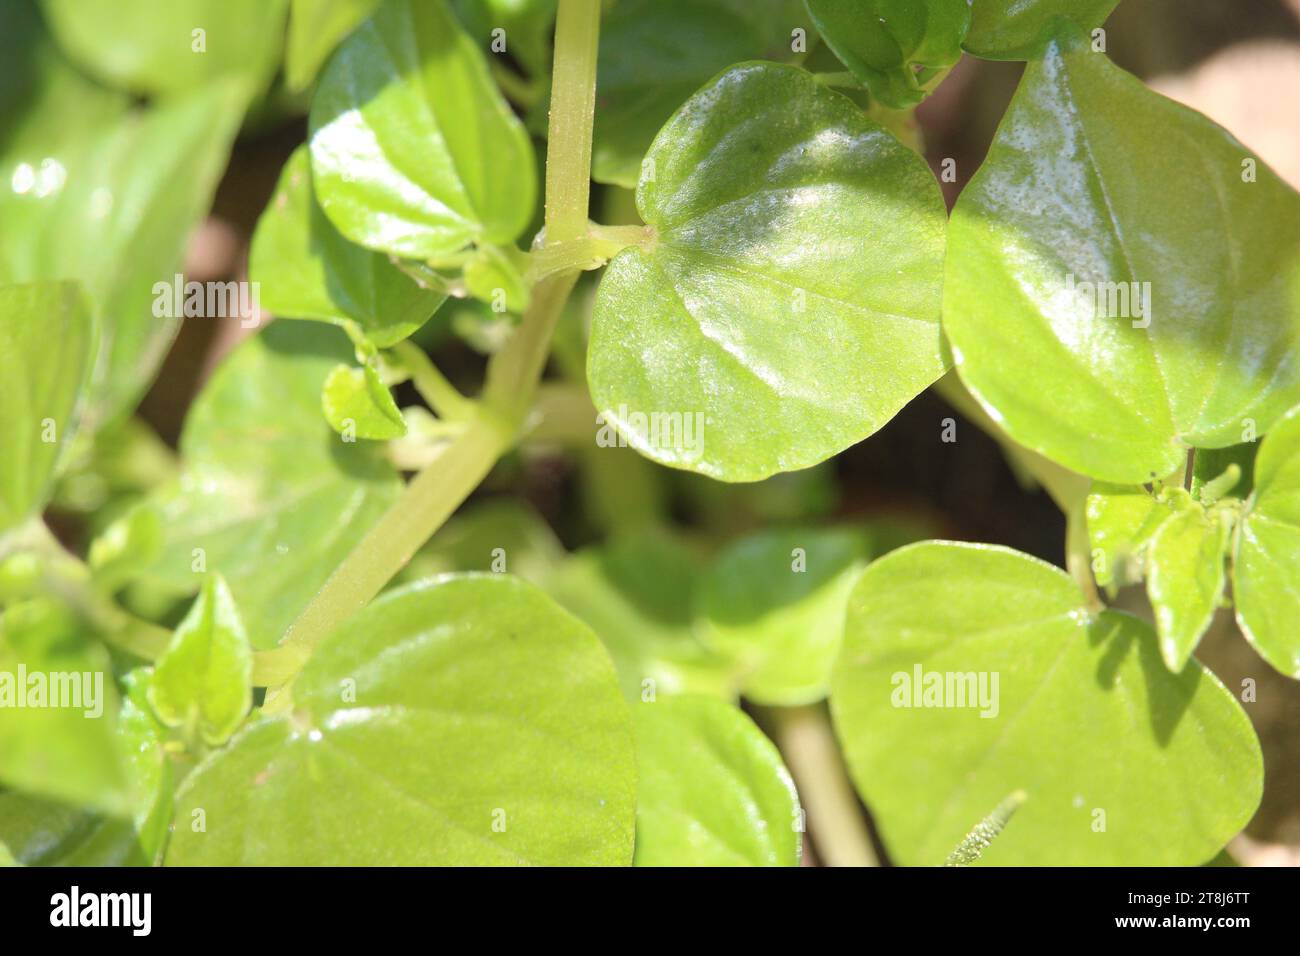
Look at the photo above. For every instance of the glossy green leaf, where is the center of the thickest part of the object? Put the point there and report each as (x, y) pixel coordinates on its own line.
(108, 195)
(774, 602)
(306, 270)
(637, 593)
(155, 48)
(787, 304)
(271, 498)
(414, 151)
(463, 721)
(1191, 340)
(58, 711)
(1266, 570)
(1121, 522)
(972, 671)
(357, 404)
(640, 84)
(203, 682)
(711, 789)
(315, 29)
(1185, 578)
(894, 47)
(47, 350)
(1019, 31)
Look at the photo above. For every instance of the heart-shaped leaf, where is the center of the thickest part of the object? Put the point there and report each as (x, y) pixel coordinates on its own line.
(1185, 578)
(711, 789)
(894, 47)
(271, 498)
(414, 151)
(972, 671)
(1019, 31)
(464, 721)
(47, 351)
(202, 683)
(640, 85)
(306, 270)
(1115, 296)
(787, 303)
(1266, 570)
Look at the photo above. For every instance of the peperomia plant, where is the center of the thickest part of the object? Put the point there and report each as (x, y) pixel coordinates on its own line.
(297, 642)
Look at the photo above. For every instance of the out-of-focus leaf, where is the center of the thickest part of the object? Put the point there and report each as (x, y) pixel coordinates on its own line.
(315, 29)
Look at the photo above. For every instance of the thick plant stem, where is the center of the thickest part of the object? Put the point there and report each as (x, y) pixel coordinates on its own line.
(426, 503)
(573, 105)
(806, 741)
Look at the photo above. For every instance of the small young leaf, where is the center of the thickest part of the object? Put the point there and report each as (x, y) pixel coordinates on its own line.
(1019, 31)
(307, 270)
(155, 48)
(1106, 344)
(1185, 578)
(1266, 567)
(637, 594)
(414, 151)
(787, 305)
(774, 603)
(462, 721)
(271, 498)
(315, 29)
(357, 403)
(47, 352)
(894, 47)
(641, 84)
(971, 671)
(1121, 522)
(202, 683)
(711, 789)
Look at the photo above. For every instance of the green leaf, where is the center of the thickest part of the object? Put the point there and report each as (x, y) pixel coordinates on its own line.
(41, 832)
(159, 48)
(271, 498)
(711, 789)
(128, 545)
(641, 84)
(774, 602)
(894, 47)
(58, 711)
(637, 594)
(972, 671)
(1185, 578)
(1077, 191)
(1003, 31)
(307, 270)
(202, 683)
(414, 151)
(787, 304)
(315, 29)
(1121, 522)
(357, 404)
(108, 195)
(1266, 567)
(47, 349)
(524, 745)
(495, 276)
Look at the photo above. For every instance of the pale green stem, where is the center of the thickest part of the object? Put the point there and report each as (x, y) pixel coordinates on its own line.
(806, 741)
(573, 106)
(447, 403)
